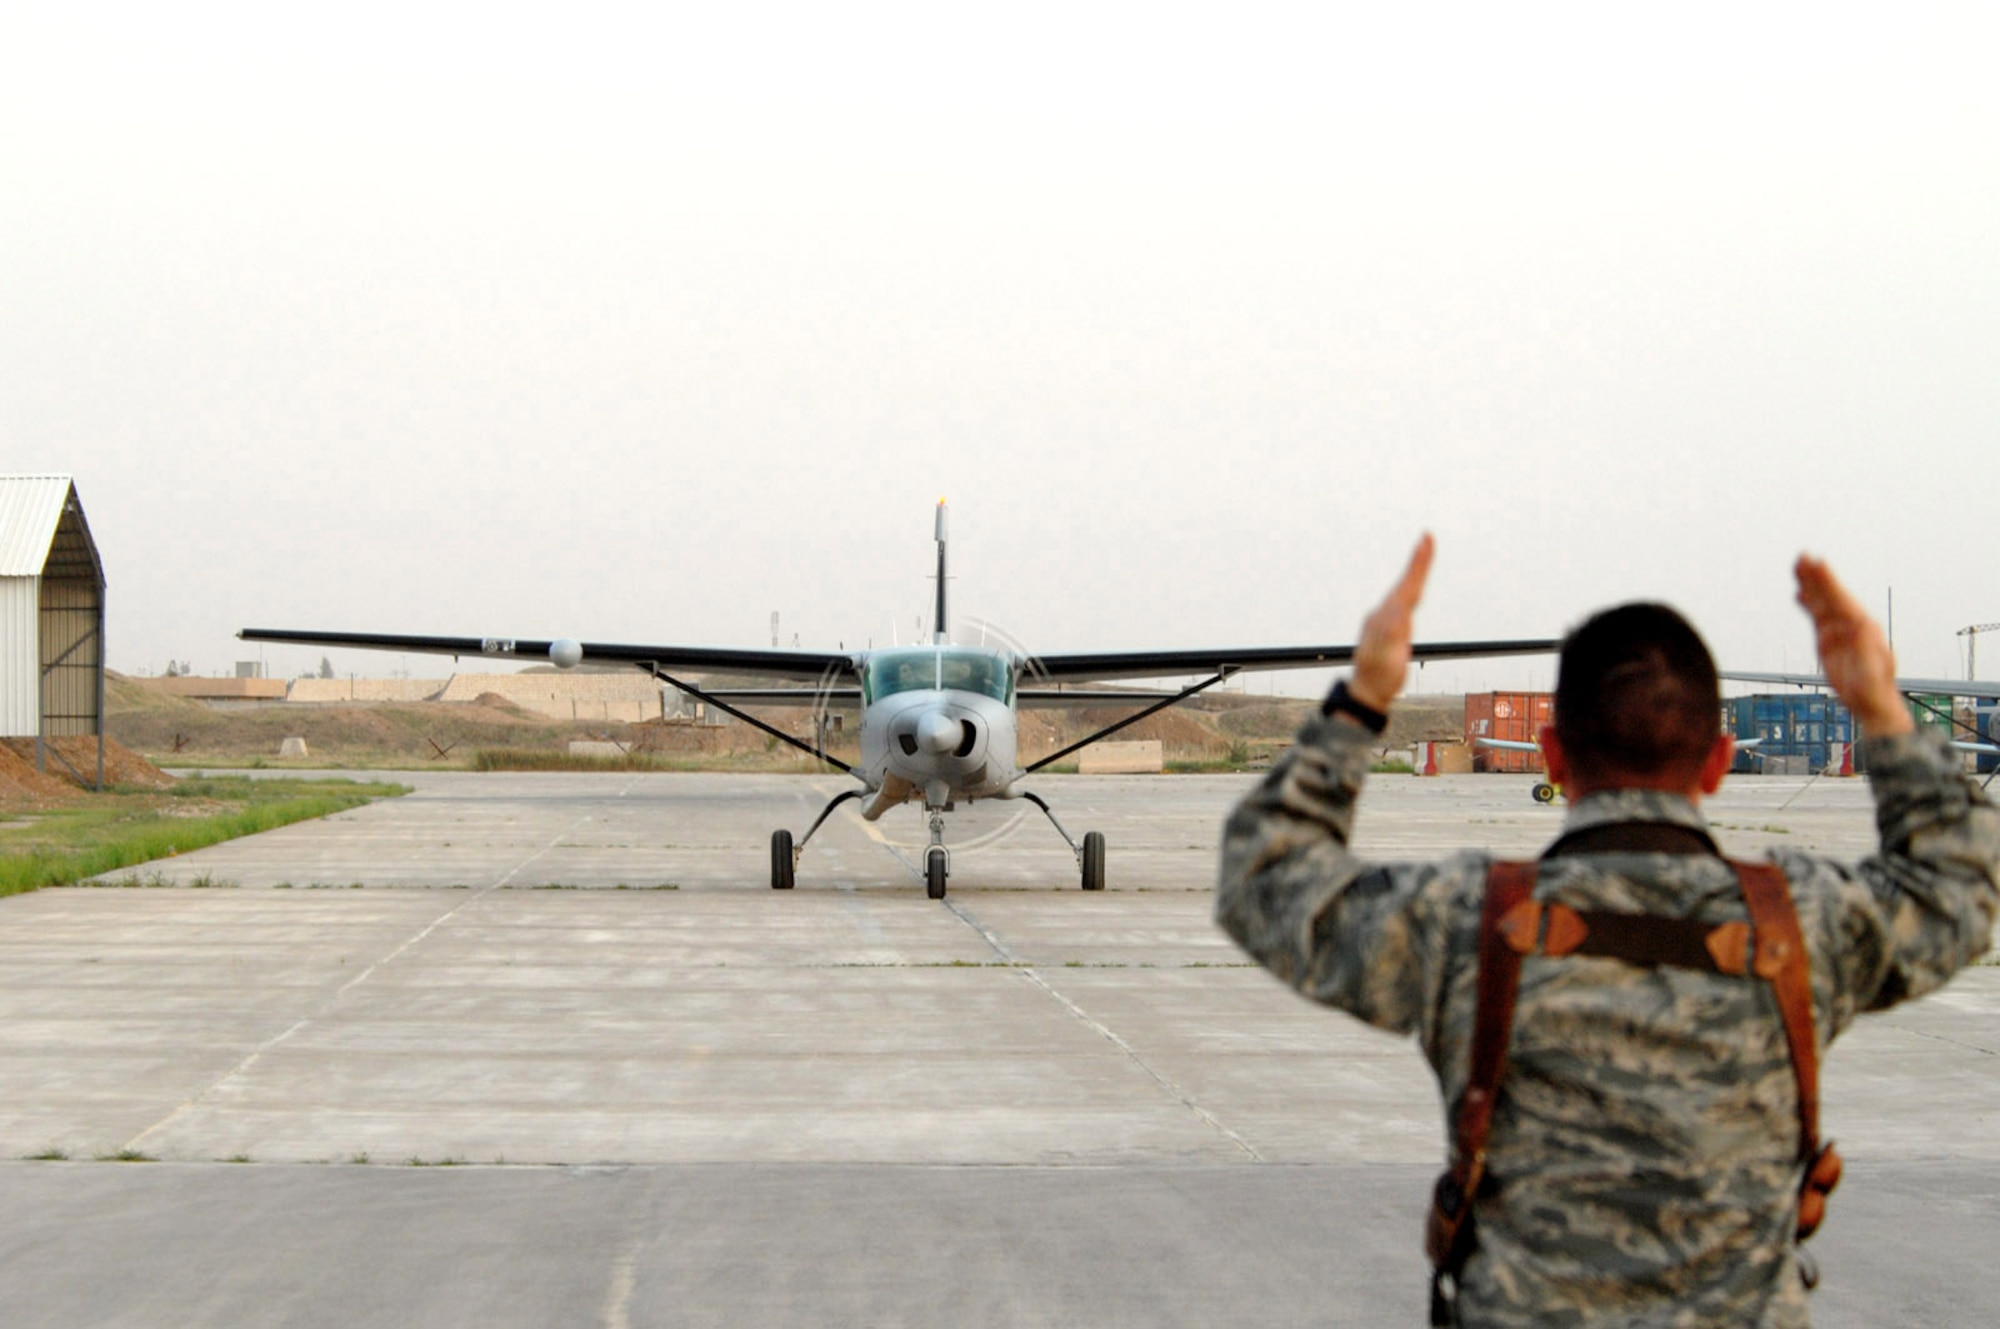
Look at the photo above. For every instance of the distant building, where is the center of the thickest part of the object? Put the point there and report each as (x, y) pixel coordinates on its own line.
(51, 614)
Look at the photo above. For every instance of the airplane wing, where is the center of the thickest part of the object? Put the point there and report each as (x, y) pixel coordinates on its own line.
(1515, 745)
(851, 696)
(799, 664)
(1507, 744)
(1053, 698)
(1076, 667)
(1981, 688)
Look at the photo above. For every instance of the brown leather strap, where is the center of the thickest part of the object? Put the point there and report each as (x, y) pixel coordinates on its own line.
(1781, 961)
(1514, 924)
(1634, 837)
(1638, 939)
(1447, 1236)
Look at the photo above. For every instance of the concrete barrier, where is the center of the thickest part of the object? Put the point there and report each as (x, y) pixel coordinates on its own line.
(629, 696)
(335, 691)
(1141, 757)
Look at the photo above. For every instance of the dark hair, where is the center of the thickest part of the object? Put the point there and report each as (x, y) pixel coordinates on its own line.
(1637, 697)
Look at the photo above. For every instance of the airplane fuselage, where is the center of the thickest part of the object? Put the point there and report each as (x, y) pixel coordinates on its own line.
(937, 725)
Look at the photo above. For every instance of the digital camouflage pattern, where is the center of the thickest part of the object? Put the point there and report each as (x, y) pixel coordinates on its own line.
(1644, 1159)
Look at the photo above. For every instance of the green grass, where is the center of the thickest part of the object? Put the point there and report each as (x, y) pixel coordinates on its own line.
(539, 759)
(122, 829)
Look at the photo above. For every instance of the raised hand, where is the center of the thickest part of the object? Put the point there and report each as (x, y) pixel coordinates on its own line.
(1382, 657)
(1853, 650)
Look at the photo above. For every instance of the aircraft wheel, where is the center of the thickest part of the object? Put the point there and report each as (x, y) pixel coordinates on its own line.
(1093, 861)
(781, 860)
(1545, 792)
(934, 874)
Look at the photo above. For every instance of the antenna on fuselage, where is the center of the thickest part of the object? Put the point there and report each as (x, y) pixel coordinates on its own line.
(938, 622)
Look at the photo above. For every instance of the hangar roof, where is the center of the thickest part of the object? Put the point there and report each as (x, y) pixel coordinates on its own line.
(31, 507)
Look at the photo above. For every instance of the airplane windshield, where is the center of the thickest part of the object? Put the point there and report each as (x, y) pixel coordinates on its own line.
(974, 671)
(911, 669)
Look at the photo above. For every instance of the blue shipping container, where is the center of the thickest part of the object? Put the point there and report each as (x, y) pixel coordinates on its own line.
(1809, 725)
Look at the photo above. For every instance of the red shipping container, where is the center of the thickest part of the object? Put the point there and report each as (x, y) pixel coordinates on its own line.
(1511, 717)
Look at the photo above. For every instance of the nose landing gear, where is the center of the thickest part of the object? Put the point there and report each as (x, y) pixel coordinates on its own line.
(937, 860)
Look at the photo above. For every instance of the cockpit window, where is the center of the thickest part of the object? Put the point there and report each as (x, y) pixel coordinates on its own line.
(914, 668)
(975, 671)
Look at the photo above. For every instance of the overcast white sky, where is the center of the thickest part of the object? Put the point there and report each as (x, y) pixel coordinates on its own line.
(641, 322)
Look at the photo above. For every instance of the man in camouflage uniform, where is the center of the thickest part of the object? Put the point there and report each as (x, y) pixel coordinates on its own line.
(1644, 1164)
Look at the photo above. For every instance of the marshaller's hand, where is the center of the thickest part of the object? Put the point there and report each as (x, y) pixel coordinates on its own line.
(1853, 650)
(1382, 656)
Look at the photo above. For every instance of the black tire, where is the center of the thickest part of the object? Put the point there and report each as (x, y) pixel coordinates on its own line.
(1545, 792)
(934, 874)
(781, 860)
(1093, 860)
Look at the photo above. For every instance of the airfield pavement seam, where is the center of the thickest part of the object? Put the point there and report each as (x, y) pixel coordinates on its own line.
(1904, 1027)
(1034, 975)
(256, 1054)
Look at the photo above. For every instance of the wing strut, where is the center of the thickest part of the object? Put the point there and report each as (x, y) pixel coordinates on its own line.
(1134, 718)
(654, 669)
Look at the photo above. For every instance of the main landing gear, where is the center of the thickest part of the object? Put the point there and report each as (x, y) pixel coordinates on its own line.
(1089, 854)
(937, 858)
(785, 858)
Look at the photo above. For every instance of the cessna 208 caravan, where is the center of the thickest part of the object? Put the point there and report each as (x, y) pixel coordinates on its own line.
(938, 721)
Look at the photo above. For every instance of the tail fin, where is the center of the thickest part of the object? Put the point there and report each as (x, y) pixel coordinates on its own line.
(939, 634)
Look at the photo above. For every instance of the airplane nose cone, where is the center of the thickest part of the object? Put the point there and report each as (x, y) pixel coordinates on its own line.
(937, 733)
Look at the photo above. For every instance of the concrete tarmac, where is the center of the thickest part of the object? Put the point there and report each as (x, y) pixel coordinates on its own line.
(546, 1049)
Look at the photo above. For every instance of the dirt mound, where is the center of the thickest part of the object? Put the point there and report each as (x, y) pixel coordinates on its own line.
(21, 785)
(1266, 720)
(71, 764)
(1182, 734)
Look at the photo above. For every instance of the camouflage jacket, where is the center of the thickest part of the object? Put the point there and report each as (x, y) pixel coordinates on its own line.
(1644, 1159)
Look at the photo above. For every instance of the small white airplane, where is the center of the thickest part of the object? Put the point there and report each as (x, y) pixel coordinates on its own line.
(938, 721)
(1918, 690)
(1545, 791)
(1979, 688)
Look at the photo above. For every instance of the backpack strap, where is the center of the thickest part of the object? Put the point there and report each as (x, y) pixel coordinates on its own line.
(1448, 1231)
(1780, 960)
(1512, 924)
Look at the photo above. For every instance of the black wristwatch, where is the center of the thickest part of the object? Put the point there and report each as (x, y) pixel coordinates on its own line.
(1342, 702)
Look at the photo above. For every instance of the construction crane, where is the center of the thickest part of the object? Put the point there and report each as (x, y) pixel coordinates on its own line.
(1971, 634)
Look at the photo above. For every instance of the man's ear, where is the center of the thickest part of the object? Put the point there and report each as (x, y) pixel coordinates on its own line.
(1717, 764)
(1553, 755)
